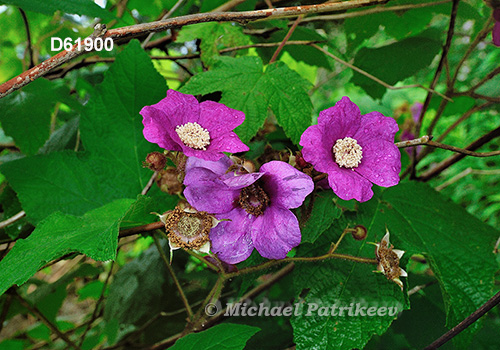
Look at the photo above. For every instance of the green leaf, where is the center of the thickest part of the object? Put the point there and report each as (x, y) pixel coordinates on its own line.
(394, 62)
(25, 115)
(225, 336)
(142, 212)
(324, 213)
(140, 291)
(11, 207)
(454, 242)
(338, 283)
(60, 139)
(91, 290)
(213, 35)
(94, 234)
(48, 7)
(111, 131)
(246, 87)
(303, 53)
(420, 221)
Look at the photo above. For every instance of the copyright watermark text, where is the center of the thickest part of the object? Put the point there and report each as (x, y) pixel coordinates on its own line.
(249, 308)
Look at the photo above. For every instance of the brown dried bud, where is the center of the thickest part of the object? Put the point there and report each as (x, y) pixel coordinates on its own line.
(300, 161)
(168, 181)
(359, 232)
(155, 161)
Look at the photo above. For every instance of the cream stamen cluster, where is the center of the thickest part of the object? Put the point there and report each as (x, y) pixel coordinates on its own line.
(193, 135)
(348, 153)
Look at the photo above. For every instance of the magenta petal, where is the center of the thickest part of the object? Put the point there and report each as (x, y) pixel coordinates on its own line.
(231, 240)
(156, 125)
(348, 184)
(212, 156)
(286, 185)
(211, 118)
(375, 126)
(206, 192)
(181, 107)
(339, 121)
(218, 167)
(496, 15)
(275, 232)
(496, 32)
(315, 151)
(239, 181)
(381, 163)
(228, 142)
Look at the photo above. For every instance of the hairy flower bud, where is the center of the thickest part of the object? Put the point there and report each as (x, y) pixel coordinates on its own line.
(155, 161)
(359, 232)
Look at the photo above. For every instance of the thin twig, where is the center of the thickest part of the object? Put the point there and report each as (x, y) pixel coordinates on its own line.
(285, 39)
(495, 99)
(420, 287)
(463, 174)
(415, 142)
(479, 37)
(495, 250)
(5, 310)
(255, 291)
(150, 183)
(29, 47)
(43, 344)
(466, 115)
(427, 140)
(174, 277)
(436, 170)
(13, 219)
(97, 305)
(140, 229)
(462, 150)
(123, 233)
(160, 26)
(488, 77)
(34, 310)
(446, 48)
(476, 315)
(462, 118)
(326, 256)
(215, 319)
(374, 78)
(167, 15)
(372, 11)
(59, 73)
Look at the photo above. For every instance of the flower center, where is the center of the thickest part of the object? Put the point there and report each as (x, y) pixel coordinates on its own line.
(193, 135)
(188, 230)
(348, 153)
(254, 200)
(189, 226)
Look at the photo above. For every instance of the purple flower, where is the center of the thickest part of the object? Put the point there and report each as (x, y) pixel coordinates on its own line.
(408, 132)
(416, 109)
(257, 205)
(203, 130)
(354, 150)
(496, 29)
